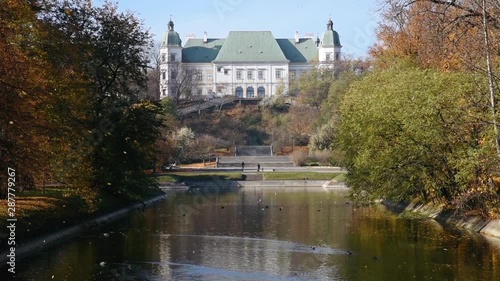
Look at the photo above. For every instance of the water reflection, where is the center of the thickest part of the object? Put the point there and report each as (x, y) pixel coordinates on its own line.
(258, 234)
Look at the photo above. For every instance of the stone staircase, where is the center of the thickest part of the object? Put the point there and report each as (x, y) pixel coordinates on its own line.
(253, 155)
(253, 150)
(266, 162)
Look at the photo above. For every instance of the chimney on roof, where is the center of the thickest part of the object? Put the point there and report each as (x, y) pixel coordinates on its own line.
(297, 37)
(309, 35)
(205, 37)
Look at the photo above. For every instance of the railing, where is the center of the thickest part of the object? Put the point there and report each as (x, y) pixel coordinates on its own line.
(217, 101)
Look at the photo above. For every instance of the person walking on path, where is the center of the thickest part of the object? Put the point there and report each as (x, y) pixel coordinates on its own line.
(243, 165)
(258, 167)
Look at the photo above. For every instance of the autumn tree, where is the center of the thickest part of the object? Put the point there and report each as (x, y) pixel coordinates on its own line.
(299, 123)
(166, 149)
(313, 86)
(111, 55)
(154, 73)
(24, 88)
(184, 80)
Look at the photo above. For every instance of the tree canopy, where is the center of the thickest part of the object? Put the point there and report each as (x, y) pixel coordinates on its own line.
(74, 77)
(420, 133)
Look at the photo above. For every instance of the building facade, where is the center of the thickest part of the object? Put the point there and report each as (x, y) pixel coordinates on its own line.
(246, 64)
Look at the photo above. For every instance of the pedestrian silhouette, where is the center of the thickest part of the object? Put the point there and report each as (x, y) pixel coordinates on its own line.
(258, 167)
(243, 165)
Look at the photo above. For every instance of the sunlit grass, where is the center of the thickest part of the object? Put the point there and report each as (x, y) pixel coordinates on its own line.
(37, 212)
(300, 176)
(340, 178)
(188, 176)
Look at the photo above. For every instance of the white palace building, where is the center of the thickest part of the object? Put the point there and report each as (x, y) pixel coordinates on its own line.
(246, 64)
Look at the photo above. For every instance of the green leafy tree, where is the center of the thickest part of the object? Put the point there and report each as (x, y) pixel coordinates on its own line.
(108, 49)
(166, 149)
(326, 126)
(314, 85)
(414, 133)
(127, 151)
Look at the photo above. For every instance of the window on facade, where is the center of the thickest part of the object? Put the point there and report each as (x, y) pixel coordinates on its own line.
(164, 92)
(219, 69)
(239, 92)
(173, 75)
(210, 77)
(261, 74)
(226, 71)
(278, 74)
(337, 56)
(171, 57)
(163, 75)
(163, 57)
(250, 74)
(250, 92)
(199, 76)
(293, 74)
(238, 74)
(261, 92)
(328, 56)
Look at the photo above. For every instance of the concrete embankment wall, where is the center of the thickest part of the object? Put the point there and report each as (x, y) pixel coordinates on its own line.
(51, 239)
(287, 184)
(477, 224)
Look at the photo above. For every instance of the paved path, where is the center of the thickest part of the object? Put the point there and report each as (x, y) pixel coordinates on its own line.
(267, 169)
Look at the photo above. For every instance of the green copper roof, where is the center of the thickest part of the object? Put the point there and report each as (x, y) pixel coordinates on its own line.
(171, 38)
(303, 51)
(196, 50)
(331, 38)
(250, 46)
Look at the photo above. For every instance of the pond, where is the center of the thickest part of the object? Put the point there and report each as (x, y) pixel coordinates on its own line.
(267, 234)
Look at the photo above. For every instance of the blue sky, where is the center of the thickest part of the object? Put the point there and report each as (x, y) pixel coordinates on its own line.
(354, 20)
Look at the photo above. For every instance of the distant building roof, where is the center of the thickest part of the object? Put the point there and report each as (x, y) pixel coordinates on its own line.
(303, 51)
(196, 50)
(171, 38)
(331, 38)
(250, 46)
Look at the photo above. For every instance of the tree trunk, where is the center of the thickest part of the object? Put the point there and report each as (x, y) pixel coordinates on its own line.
(490, 77)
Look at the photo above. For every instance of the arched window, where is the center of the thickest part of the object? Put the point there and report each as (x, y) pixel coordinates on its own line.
(261, 92)
(239, 92)
(250, 92)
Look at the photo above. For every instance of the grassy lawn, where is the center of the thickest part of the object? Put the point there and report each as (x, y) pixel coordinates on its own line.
(39, 213)
(188, 176)
(340, 177)
(300, 176)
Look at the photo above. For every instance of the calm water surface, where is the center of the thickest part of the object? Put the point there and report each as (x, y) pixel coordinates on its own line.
(256, 234)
